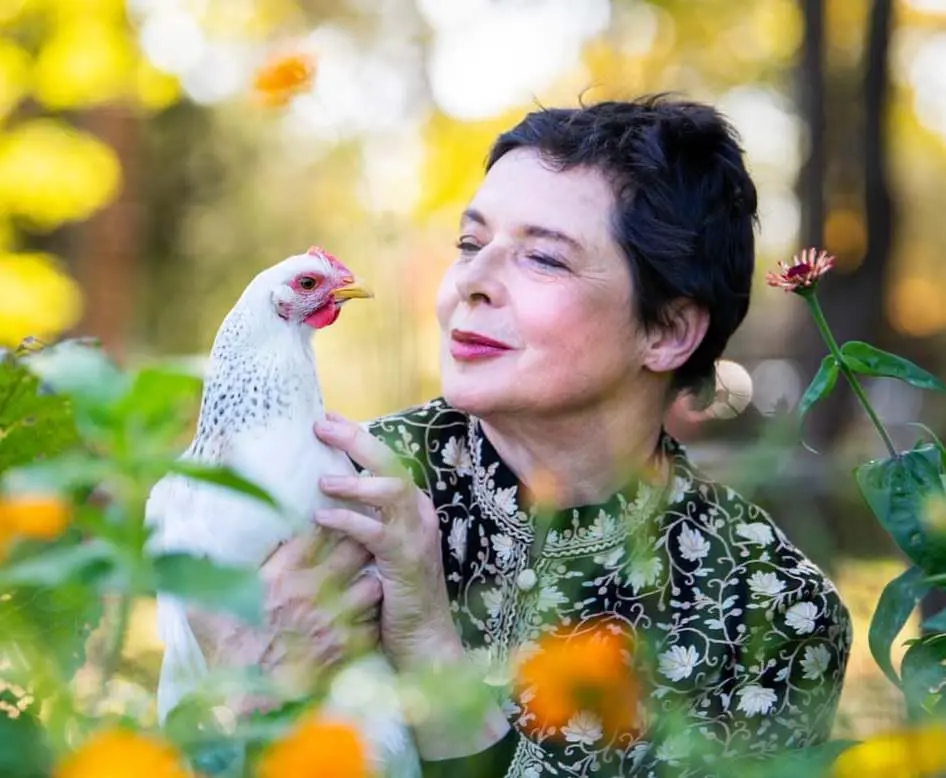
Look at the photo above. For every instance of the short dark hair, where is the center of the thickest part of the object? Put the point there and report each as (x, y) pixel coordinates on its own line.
(685, 205)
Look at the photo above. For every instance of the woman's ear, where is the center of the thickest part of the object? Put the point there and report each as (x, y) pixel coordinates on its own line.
(670, 346)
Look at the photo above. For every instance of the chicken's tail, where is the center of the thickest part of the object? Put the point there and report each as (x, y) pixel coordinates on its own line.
(183, 667)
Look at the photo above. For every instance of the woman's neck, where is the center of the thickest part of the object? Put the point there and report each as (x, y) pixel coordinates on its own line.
(581, 458)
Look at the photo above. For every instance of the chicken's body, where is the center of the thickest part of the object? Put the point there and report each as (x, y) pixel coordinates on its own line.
(260, 401)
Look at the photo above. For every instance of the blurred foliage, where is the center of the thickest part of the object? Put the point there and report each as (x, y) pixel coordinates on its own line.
(57, 59)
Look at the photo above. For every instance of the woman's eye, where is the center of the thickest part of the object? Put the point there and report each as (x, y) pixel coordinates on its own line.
(546, 261)
(467, 246)
(307, 283)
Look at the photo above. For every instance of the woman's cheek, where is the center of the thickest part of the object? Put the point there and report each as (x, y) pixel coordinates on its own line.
(446, 301)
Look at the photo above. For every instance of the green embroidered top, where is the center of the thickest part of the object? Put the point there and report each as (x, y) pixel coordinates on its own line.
(749, 640)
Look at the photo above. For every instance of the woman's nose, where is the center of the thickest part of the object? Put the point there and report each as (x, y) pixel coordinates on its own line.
(479, 278)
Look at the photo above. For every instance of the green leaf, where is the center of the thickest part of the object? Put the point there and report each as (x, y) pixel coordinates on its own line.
(24, 749)
(65, 474)
(221, 476)
(160, 400)
(79, 370)
(896, 490)
(820, 386)
(59, 564)
(237, 590)
(865, 359)
(922, 672)
(897, 602)
(32, 424)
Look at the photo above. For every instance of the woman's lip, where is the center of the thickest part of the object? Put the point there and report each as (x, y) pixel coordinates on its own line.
(468, 346)
(474, 339)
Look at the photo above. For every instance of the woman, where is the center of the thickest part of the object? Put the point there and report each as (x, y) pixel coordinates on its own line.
(602, 266)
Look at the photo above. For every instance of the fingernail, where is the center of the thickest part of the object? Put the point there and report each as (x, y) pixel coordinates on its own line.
(332, 416)
(325, 427)
(332, 481)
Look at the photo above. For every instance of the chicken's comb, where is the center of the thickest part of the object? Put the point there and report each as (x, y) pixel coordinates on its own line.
(318, 251)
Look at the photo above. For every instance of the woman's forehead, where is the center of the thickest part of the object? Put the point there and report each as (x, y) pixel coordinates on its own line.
(523, 190)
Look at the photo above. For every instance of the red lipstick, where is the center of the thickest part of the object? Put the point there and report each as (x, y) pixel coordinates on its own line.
(470, 346)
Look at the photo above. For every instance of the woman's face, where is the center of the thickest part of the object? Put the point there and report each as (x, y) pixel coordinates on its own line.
(536, 313)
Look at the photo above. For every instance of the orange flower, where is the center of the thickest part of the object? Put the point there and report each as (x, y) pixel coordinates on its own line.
(803, 272)
(283, 77)
(33, 516)
(121, 753)
(316, 747)
(586, 673)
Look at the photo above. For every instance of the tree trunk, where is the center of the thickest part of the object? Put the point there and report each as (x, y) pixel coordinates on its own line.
(810, 90)
(106, 246)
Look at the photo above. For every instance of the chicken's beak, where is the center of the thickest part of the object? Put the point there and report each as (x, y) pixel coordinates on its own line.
(351, 289)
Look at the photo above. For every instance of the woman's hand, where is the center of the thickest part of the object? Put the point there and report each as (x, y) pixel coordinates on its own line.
(318, 610)
(320, 605)
(404, 538)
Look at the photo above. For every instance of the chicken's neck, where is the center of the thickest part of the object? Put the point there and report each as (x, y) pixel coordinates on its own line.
(260, 368)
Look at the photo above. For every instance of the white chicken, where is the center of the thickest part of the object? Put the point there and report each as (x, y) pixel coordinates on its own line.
(261, 398)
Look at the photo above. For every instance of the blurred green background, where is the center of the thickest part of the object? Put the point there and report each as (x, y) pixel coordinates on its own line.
(141, 186)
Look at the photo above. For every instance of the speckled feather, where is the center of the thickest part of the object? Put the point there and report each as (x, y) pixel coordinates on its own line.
(260, 400)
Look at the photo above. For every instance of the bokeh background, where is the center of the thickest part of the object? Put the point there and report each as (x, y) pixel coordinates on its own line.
(142, 185)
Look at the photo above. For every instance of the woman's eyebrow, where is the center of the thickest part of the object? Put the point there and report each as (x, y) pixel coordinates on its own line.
(531, 230)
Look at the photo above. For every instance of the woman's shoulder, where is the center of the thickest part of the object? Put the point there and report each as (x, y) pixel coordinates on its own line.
(417, 431)
(704, 513)
(435, 414)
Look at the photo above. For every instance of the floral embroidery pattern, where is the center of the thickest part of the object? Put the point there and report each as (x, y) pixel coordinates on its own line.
(748, 638)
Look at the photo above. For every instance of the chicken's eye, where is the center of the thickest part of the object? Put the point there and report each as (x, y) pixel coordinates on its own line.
(307, 283)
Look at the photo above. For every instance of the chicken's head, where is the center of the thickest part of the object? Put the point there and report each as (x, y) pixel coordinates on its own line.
(312, 287)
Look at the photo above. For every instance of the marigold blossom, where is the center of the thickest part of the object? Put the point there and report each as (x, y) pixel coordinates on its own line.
(803, 272)
(316, 747)
(908, 753)
(283, 77)
(121, 753)
(582, 673)
(32, 516)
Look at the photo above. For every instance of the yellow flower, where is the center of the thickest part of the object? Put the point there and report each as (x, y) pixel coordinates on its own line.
(120, 753)
(803, 272)
(32, 516)
(283, 77)
(914, 753)
(582, 673)
(316, 748)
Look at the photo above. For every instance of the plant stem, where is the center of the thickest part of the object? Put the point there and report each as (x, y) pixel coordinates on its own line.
(818, 315)
(116, 638)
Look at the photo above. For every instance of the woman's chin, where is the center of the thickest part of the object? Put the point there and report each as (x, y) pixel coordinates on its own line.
(476, 397)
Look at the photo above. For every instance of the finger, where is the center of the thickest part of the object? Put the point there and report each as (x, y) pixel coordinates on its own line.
(293, 554)
(365, 530)
(361, 599)
(376, 491)
(345, 559)
(363, 448)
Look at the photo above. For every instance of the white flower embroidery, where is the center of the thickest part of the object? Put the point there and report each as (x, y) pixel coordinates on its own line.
(643, 572)
(755, 699)
(583, 727)
(457, 456)
(550, 597)
(756, 532)
(801, 617)
(493, 600)
(678, 489)
(816, 661)
(678, 662)
(693, 546)
(505, 500)
(456, 540)
(674, 748)
(768, 584)
(503, 547)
